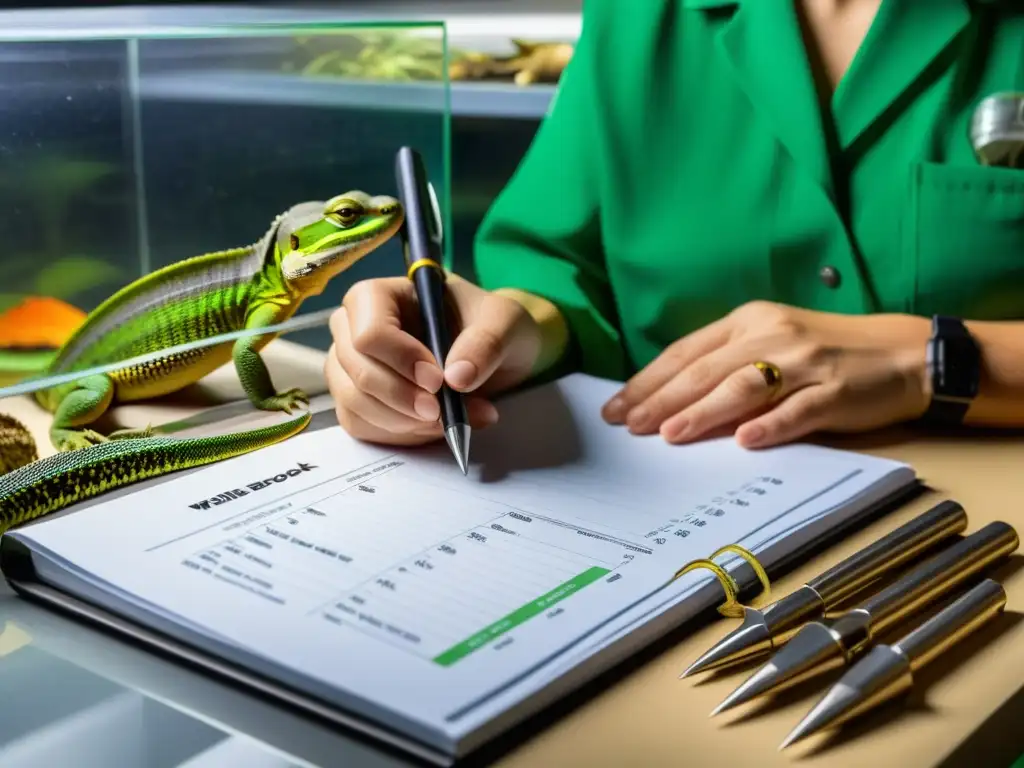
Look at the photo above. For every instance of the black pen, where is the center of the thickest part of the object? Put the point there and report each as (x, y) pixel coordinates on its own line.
(421, 241)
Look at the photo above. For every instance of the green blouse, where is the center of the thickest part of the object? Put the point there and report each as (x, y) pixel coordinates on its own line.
(685, 168)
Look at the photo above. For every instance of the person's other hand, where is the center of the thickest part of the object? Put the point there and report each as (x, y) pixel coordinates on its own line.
(838, 373)
(384, 380)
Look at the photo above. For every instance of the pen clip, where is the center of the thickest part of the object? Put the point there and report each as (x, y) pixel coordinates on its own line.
(437, 233)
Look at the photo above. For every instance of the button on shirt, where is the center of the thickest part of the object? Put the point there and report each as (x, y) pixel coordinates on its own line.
(829, 276)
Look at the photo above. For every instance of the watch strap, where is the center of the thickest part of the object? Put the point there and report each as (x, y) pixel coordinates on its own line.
(943, 325)
(945, 408)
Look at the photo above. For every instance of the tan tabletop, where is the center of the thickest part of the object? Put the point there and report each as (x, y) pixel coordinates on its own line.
(967, 709)
(968, 706)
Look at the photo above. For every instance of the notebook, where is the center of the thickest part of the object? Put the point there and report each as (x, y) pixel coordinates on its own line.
(382, 589)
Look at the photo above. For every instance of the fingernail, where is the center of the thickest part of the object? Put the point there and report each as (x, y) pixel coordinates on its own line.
(426, 407)
(674, 431)
(614, 410)
(428, 375)
(460, 374)
(752, 435)
(637, 418)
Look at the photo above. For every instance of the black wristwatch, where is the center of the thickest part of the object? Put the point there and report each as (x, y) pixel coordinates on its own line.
(954, 365)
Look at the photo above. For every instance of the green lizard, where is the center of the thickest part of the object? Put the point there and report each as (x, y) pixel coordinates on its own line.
(244, 288)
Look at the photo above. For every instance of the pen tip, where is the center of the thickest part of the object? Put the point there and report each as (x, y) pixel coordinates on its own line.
(457, 436)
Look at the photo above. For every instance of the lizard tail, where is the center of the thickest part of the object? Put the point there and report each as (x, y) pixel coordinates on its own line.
(58, 481)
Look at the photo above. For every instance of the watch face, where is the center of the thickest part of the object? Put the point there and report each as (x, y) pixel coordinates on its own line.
(956, 367)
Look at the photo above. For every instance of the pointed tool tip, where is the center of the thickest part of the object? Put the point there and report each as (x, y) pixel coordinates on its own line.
(760, 682)
(728, 703)
(693, 669)
(724, 705)
(698, 666)
(799, 733)
(830, 711)
(794, 736)
(747, 642)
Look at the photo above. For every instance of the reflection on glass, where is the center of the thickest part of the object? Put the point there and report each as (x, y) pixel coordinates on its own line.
(122, 156)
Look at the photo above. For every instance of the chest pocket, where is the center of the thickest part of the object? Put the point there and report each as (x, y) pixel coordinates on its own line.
(967, 238)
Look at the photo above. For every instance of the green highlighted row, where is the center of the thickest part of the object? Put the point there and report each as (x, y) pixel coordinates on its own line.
(518, 616)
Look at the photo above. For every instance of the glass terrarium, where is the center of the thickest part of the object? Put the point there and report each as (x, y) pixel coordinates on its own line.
(122, 154)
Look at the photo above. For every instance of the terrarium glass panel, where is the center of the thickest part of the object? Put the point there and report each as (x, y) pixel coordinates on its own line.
(122, 155)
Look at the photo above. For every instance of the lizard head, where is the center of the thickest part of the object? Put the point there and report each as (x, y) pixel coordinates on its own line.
(318, 241)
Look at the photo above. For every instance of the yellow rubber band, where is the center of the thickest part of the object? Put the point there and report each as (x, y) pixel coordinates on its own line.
(747, 555)
(728, 583)
(422, 263)
(732, 607)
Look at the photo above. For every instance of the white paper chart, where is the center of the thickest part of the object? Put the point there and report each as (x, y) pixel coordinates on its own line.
(438, 580)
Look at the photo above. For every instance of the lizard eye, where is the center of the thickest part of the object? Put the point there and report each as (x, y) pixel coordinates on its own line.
(346, 213)
(294, 242)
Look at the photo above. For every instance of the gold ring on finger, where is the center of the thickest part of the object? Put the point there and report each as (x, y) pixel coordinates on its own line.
(772, 376)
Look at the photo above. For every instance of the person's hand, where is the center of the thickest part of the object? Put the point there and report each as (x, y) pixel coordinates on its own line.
(838, 373)
(384, 380)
